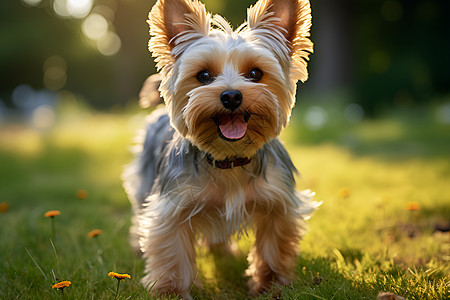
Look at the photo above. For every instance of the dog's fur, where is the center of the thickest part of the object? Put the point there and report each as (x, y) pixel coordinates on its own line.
(178, 192)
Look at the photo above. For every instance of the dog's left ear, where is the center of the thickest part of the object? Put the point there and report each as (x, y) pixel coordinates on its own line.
(174, 25)
(284, 25)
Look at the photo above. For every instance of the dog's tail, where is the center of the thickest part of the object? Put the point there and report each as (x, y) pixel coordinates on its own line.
(149, 95)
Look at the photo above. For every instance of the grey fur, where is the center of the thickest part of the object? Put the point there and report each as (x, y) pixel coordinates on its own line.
(140, 176)
(177, 196)
(166, 157)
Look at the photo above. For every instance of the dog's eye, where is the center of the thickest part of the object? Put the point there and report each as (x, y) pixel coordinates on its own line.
(255, 75)
(205, 77)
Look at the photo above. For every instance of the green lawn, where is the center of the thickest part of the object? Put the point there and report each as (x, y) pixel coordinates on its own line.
(361, 241)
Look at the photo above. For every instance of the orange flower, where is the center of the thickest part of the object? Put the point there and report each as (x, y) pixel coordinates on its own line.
(344, 192)
(52, 213)
(119, 276)
(81, 194)
(413, 206)
(61, 285)
(4, 206)
(94, 233)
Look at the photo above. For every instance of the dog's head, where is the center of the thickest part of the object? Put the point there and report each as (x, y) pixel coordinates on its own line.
(230, 91)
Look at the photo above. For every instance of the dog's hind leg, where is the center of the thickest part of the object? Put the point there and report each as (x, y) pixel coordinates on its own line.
(139, 176)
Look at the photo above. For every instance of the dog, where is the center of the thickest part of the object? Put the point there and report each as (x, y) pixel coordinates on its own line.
(210, 163)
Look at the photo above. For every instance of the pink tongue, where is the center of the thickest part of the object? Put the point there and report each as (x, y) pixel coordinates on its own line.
(233, 127)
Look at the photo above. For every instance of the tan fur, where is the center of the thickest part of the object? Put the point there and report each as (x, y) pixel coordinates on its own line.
(227, 204)
(197, 199)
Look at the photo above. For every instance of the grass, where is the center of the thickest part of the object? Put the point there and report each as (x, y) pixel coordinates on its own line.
(361, 241)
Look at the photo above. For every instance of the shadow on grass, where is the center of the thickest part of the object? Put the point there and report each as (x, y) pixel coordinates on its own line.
(316, 278)
(228, 269)
(344, 275)
(48, 178)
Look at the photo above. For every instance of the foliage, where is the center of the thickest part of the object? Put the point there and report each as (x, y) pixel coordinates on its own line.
(398, 53)
(386, 53)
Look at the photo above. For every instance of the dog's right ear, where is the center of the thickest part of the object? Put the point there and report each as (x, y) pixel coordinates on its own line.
(174, 25)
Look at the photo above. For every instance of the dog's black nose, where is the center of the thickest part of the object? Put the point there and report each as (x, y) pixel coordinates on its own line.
(231, 99)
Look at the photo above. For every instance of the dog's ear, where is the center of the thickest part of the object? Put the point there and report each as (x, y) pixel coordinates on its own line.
(285, 25)
(174, 24)
(149, 95)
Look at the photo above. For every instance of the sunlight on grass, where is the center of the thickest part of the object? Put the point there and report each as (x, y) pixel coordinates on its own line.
(24, 142)
(375, 131)
(379, 192)
(364, 239)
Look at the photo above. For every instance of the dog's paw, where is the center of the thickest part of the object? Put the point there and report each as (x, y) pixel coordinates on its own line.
(186, 296)
(255, 287)
(262, 285)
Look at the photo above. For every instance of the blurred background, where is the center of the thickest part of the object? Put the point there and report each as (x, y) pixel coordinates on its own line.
(370, 134)
(371, 56)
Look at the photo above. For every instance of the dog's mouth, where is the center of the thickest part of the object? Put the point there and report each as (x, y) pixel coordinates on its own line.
(233, 126)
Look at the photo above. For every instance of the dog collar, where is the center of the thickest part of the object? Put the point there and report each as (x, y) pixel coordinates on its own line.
(228, 163)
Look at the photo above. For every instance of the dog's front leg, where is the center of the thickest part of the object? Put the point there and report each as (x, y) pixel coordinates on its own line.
(274, 255)
(168, 247)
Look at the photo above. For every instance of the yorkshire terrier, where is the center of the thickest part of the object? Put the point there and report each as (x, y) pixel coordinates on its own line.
(211, 164)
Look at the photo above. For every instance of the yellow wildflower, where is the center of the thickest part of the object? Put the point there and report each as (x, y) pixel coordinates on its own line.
(52, 213)
(344, 192)
(94, 233)
(413, 206)
(4, 206)
(119, 276)
(61, 285)
(81, 194)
